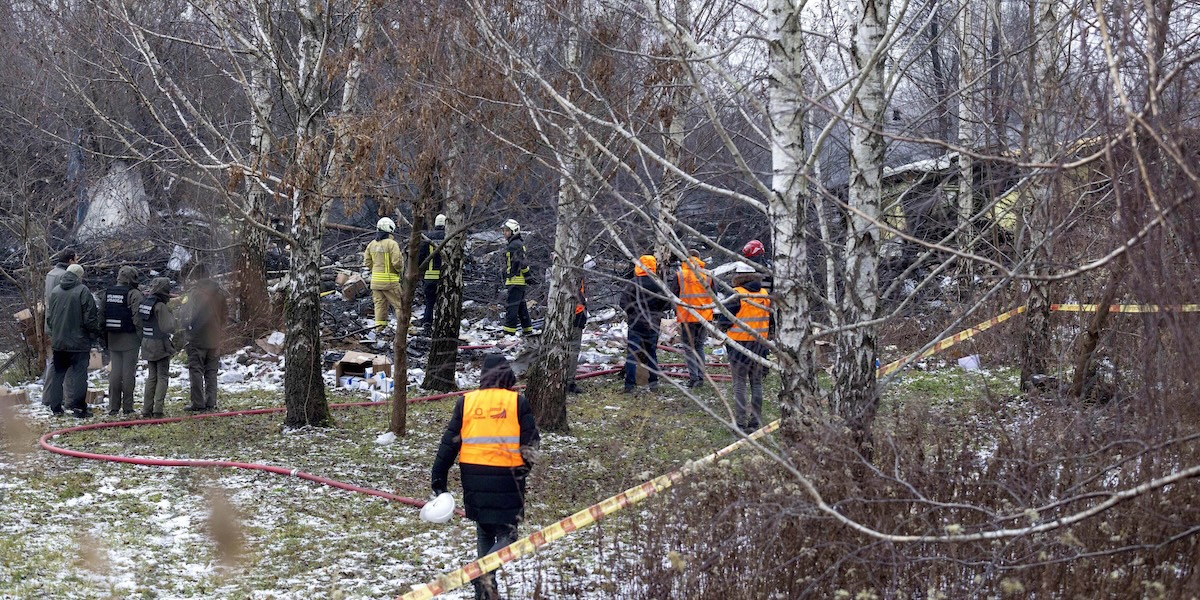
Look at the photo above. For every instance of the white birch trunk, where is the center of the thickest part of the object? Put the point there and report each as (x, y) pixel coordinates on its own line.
(679, 96)
(787, 208)
(447, 311)
(855, 393)
(303, 386)
(970, 60)
(548, 377)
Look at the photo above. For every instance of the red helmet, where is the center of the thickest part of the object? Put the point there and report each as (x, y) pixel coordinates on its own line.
(752, 249)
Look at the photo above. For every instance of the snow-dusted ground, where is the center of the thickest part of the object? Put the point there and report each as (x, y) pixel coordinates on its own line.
(102, 529)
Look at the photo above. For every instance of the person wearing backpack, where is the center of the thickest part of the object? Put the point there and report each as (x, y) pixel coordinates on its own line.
(122, 336)
(158, 323)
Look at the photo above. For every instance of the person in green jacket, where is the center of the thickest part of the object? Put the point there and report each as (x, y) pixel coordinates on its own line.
(123, 338)
(73, 322)
(158, 323)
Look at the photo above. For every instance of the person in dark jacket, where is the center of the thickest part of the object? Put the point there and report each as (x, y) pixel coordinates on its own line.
(72, 322)
(122, 337)
(158, 323)
(575, 341)
(65, 258)
(751, 305)
(516, 272)
(432, 259)
(493, 434)
(203, 323)
(644, 303)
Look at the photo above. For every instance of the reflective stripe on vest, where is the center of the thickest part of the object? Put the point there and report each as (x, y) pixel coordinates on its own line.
(519, 278)
(491, 432)
(117, 316)
(430, 271)
(692, 293)
(381, 262)
(755, 313)
(150, 326)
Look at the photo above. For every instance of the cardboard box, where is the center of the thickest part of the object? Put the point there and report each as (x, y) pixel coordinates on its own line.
(354, 287)
(342, 278)
(360, 364)
(94, 395)
(11, 397)
(272, 344)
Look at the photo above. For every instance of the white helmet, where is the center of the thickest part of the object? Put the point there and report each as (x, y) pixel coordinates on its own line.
(512, 226)
(439, 221)
(386, 224)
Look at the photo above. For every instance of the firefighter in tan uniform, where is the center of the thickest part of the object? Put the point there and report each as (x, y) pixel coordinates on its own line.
(383, 260)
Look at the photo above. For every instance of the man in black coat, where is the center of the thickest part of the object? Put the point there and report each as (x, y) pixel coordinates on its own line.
(644, 303)
(493, 434)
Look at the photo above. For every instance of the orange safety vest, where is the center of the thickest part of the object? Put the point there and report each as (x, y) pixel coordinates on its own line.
(491, 432)
(582, 294)
(754, 315)
(694, 285)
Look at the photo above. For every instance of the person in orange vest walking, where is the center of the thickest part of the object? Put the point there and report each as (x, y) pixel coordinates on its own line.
(694, 286)
(751, 306)
(493, 434)
(384, 262)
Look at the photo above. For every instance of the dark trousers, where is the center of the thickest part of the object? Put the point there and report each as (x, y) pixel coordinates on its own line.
(745, 369)
(158, 373)
(574, 346)
(641, 345)
(517, 314)
(430, 287)
(121, 379)
(68, 378)
(490, 537)
(692, 335)
(202, 370)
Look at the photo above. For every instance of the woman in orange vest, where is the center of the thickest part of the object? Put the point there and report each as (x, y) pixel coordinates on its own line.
(752, 307)
(493, 434)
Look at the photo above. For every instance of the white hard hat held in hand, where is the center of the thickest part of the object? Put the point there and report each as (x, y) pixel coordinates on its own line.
(439, 509)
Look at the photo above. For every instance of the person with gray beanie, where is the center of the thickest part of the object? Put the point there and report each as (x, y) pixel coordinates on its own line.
(72, 322)
(123, 338)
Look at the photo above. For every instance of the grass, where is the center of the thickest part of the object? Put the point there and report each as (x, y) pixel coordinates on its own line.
(88, 529)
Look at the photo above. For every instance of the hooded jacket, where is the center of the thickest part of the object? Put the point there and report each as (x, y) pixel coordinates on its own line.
(158, 348)
(121, 341)
(491, 494)
(644, 302)
(72, 316)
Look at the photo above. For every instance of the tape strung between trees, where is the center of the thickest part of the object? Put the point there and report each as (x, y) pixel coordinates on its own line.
(588, 516)
(530, 543)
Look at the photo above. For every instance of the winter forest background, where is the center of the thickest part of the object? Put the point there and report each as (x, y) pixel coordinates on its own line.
(913, 168)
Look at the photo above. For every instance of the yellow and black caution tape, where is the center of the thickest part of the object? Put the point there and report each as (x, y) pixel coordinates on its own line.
(584, 518)
(1127, 308)
(950, 341)
(588, 516)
